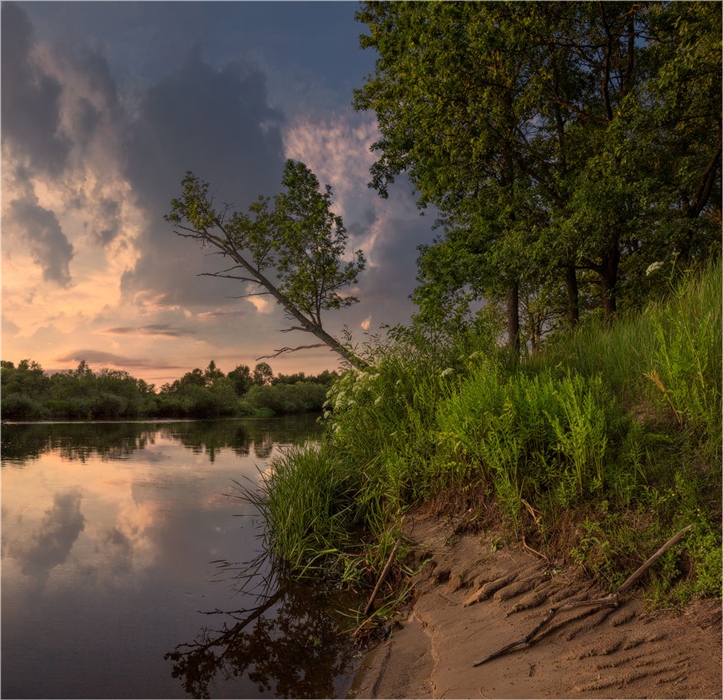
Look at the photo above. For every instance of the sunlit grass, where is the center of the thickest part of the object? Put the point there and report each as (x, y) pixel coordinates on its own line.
(598, 448)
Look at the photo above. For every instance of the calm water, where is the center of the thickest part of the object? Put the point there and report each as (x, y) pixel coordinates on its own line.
(120, 567)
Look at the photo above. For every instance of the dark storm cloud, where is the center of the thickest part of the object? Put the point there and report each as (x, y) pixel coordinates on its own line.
(162, 329)
(45, 239)
(218, 124)
(393, 278)
(98, 357)
(30, 98)
(50, 545)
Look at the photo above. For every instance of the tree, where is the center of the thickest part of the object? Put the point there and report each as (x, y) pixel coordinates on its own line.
(563, 143)
(452, 94)
(292, 249)
(241, 378)
(263, 374)
(212, 373)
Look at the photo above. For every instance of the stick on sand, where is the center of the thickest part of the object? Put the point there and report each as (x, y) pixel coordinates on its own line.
(611, 600)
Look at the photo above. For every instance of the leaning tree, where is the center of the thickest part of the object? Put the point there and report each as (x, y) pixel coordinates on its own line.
(291, 248)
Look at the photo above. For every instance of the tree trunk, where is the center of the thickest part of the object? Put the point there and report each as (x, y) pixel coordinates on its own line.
(608, 272)
(573, 296)
(306, 324)
(513, 319)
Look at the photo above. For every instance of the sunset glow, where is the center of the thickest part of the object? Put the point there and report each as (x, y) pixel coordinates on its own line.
(105, 107)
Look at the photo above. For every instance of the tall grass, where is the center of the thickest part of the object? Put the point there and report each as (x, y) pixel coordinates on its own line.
(598, 448)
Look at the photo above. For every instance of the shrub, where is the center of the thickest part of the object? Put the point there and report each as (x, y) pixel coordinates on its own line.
(21, 407)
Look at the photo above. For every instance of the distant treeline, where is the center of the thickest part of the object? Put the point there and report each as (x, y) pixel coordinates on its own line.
(28, 393)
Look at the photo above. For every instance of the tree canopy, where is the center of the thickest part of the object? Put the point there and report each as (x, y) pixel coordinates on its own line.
(567, 146)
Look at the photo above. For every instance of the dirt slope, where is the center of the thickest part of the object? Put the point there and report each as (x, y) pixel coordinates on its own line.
(472, 601)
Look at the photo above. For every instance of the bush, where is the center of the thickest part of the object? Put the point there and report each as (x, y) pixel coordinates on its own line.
(107, 406)
(21, 407)
(600, 447)
(301, 397)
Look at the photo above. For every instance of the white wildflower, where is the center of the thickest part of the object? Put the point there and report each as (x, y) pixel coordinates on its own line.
(447, 371)
(653, 267)
(377, 401)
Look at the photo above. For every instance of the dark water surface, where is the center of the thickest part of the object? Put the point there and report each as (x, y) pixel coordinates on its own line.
(120, 576)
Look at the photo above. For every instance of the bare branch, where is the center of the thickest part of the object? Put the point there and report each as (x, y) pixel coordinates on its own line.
(283, 351)
(230, 277)
(250, 294)
(611, 600)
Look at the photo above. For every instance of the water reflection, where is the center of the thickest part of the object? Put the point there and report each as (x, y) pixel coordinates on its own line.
(290, 645)
(50, 544)
(110, 534)
(23, 442)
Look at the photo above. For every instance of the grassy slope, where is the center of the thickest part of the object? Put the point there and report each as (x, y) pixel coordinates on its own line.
(598, 449)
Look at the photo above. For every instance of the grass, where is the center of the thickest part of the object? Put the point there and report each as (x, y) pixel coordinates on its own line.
(597, 449)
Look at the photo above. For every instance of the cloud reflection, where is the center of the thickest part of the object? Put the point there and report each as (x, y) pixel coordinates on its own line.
(49, 545)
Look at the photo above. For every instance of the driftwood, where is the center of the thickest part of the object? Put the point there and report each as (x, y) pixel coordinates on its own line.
(381, 579)
(610, 600)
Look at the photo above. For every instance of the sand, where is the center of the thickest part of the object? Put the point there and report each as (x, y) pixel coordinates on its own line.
(471, 598)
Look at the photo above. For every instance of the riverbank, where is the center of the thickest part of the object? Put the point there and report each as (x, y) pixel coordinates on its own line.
(622, 652)
(596, 449)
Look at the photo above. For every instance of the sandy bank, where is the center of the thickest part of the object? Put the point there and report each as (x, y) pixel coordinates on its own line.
(586, 653)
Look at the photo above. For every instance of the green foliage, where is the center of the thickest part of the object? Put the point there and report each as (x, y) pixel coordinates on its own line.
(309, 507)
(293, 248)
(241, 378)
(687, 357)
(263, 374)
(562, 143)
(301, 397)
(580, 454)
(21, 407)
(81, 394)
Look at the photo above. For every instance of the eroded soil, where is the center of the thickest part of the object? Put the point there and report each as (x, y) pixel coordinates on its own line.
(472, 600)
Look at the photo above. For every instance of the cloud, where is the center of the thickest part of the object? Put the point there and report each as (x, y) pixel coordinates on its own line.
(45, 239)
(97, 136)
(158, 329)
(337, 148)
(98, 357)
(50, 545)
(30, 99)
(218, 124)
(236, 313)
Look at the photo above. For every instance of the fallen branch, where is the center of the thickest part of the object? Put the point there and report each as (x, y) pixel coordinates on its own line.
(534, 551)
(381, 579)
(610, 600)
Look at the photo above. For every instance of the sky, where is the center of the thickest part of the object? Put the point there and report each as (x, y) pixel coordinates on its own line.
(105, 106)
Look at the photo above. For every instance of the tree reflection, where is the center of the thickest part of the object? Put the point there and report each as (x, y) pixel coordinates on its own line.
(74, 441)
(290, 644)
(81, 441)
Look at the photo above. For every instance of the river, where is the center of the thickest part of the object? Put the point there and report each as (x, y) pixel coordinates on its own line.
(125, 574)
